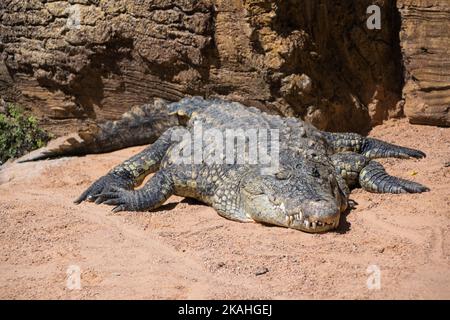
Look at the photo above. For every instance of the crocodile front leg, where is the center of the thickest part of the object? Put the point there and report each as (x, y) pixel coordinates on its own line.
(132, 171)
(357, 170)
(349, 165)
(151, 196)
(374, 178)
(369, 147)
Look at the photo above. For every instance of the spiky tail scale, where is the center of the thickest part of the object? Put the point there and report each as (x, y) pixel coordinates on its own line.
(139, 126)
(187, 106)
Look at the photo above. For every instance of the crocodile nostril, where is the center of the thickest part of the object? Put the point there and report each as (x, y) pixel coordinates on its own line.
(321, 210)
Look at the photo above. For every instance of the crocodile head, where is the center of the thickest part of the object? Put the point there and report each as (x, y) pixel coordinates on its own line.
(305, 196)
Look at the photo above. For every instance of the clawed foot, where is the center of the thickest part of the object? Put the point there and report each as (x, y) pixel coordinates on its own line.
(374, 178)
(118, 197)
(105, 184)
(406, 186)
(374, 148)
(118, 191)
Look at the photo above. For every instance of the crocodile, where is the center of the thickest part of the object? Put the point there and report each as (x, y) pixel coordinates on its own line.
(306, 190)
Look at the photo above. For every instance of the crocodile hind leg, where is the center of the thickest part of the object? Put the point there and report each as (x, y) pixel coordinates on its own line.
(132, 172)
(357, 170)
(370, 147)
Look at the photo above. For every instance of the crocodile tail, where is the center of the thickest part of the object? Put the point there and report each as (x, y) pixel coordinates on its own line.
(139, 126)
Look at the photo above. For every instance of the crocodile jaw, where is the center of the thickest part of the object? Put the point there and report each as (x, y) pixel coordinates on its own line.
(312, 218)
(312, 225)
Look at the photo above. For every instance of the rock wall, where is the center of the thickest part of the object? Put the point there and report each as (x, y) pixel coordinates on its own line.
(90, 60)
(425, 40)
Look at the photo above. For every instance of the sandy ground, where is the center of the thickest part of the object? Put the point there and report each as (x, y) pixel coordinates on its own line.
(186, 251)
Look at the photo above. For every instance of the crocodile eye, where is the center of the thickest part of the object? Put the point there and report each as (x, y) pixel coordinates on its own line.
(274, 199)
(282, 175)
(254, 187)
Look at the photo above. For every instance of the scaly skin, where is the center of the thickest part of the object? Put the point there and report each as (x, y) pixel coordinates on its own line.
(308, 192)
(139, 126)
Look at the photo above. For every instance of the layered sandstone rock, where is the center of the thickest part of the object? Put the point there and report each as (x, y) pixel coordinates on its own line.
(79, 60)
(425, 40)
(83, 59)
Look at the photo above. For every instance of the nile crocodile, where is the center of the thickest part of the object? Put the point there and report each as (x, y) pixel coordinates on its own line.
(307, 190)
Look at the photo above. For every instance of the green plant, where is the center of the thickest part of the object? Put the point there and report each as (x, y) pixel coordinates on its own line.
(19, 133)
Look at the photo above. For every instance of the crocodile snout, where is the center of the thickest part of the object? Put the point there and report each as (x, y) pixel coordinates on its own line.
(315, 216)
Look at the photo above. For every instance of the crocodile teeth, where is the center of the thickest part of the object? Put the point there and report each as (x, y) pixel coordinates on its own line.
(289, 219)
(314, 225)
(306, 223)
